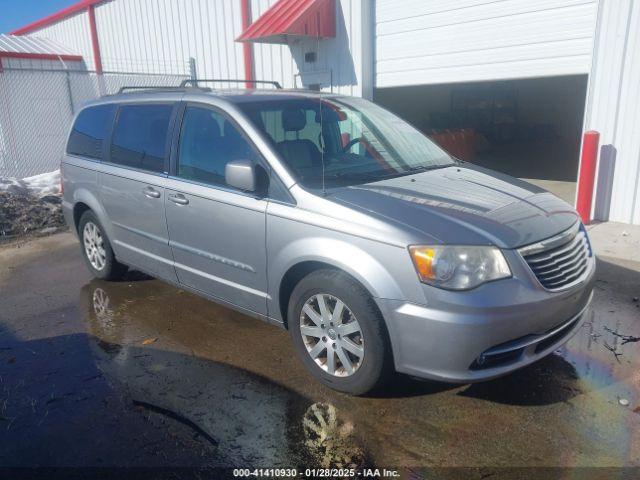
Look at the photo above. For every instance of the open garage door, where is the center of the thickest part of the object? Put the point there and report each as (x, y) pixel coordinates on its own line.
(528, 128)
(420, 42)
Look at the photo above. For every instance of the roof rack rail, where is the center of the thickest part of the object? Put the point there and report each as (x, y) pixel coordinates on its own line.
(194, 81)
(148, 87)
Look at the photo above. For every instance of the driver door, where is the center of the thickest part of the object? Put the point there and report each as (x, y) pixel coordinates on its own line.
(216, 233)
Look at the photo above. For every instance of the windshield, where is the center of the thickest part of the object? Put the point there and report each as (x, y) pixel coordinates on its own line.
(350, 139)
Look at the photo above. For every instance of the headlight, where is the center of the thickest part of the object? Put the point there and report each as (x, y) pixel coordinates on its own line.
(459, 267)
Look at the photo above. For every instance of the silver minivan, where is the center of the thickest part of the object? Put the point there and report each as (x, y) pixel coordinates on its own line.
(331, 217)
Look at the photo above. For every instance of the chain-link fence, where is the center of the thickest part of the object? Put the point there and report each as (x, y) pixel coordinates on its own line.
(36, 108)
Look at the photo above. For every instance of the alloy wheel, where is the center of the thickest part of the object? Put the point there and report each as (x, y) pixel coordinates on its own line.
(94, 246)
(332, 335)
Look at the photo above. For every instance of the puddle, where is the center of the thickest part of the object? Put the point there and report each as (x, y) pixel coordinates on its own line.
(248, 418)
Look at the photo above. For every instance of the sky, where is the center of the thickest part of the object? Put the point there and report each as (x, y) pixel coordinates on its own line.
(17, 13)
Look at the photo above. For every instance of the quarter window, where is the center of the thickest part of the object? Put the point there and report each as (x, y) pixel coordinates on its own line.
(90, 131)
(208, 141)
(140, 136)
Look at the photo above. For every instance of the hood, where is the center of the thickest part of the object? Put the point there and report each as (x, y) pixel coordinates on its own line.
(464, 205)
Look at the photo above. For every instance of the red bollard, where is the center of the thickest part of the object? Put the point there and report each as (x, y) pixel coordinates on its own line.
(587, 176)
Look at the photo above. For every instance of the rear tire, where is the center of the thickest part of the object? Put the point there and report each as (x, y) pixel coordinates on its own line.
(344, 341)
(96, 249)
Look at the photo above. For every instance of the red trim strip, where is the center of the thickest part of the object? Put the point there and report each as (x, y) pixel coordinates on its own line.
(247, 48)
(56, 17)
(41, 56)
(97, 59)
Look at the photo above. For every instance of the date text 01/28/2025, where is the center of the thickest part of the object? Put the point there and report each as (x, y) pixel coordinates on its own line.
(316, 473)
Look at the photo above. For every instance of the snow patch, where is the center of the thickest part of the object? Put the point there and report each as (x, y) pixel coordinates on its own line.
(39, 185)
(44, 184)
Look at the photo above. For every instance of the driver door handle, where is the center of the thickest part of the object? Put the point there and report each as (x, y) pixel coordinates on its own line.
(179, 199)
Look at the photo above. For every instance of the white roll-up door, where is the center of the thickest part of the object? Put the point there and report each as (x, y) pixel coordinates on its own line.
(421, 42)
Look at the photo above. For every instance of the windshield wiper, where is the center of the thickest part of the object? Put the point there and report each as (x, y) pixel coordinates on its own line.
(411, 171)
(353, 176)
(372, 176)
(424, 168)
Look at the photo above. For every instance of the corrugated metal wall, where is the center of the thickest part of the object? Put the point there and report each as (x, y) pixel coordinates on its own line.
(339, 62)
(613, 105)
(73, 33)
(159, 36)
(272, 62)
(445, 41)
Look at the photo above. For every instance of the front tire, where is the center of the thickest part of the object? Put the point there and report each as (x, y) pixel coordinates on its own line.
(96, 249)
(338, 332)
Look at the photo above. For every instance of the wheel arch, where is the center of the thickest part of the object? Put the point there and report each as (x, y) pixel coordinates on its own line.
(84, 200)
(78, 210)
(347, 258)
(292, 277)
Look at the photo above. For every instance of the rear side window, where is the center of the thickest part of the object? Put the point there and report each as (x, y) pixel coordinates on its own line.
(140, 136)
(90, 131)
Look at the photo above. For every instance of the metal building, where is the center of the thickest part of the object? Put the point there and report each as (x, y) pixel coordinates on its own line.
(37, 53)
(527, 77)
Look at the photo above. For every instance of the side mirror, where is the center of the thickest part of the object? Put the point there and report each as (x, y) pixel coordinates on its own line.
(241, 174)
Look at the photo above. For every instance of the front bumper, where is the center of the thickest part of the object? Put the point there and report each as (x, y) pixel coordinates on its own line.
(464, 337)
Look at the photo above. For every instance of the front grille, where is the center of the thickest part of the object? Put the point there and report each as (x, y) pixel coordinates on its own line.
(562, 261)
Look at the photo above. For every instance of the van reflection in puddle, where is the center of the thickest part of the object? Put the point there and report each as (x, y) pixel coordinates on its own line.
(331, 439)
(249, 419)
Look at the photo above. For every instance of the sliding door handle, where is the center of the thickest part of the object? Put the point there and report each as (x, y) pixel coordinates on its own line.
(151, 192)
(179, 199)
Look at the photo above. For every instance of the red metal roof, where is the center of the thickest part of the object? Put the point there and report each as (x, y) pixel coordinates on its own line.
(293, 18)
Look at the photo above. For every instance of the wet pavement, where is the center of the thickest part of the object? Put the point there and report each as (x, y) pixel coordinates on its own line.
(140, 373)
